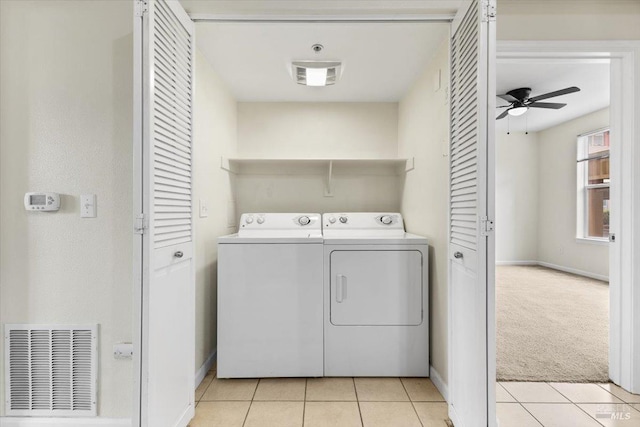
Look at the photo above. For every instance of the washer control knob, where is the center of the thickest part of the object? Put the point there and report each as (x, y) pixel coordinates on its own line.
(386, 219)
(332, 219)
(260, 220)
(249, 220)
(344, 219)
(304, 220)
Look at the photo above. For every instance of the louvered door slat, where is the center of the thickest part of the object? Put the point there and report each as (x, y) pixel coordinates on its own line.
(172, 120)
(166, 68)
(171, 23)
(165, 143)
(169, 116)
(168, 84)
(167, 44)
(464, 128)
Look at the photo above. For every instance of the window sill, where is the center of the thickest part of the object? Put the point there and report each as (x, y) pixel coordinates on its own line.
(592, 241)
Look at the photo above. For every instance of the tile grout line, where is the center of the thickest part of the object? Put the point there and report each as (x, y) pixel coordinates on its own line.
(508, 392)
(250, 403)
(588, 414)
(206, 388)
(611, 393)
(411, 400)
(355, 389)
(304, 400)
(529, 412)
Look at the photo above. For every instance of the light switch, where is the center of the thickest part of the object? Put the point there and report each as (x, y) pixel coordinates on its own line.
(204, 208)
(88, 206)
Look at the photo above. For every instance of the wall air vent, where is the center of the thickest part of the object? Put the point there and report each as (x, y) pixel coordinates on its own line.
(316, 73)
(50, 370)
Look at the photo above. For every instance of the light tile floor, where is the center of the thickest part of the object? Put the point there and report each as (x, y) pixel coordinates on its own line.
(401, 402)
(530, 404)
(318, 402)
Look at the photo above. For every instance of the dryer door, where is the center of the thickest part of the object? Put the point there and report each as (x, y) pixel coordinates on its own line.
(376, 288)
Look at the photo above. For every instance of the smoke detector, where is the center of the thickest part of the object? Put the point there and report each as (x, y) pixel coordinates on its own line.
(316, 73)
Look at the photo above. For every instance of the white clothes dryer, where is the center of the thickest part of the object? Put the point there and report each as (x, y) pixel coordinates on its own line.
(376, 311)
(270, 297)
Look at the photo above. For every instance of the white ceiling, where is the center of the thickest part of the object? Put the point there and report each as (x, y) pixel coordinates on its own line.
(542, 77)
(380, 62)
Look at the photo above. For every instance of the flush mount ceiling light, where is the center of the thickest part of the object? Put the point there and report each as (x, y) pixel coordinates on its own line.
(316, 73)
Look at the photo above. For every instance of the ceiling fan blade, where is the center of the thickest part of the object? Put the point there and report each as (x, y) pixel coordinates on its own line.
(504, 106)
(552, 105)
(503, 115)
(507, 98)
(556, 93)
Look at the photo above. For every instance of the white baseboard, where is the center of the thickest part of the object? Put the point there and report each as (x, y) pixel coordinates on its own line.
(557, 267)
(436, 379)
(527, 262)
(70, 422)
(574, 271)
(202, 372)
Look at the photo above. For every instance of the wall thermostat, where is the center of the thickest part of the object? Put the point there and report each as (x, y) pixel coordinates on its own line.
(42, 201)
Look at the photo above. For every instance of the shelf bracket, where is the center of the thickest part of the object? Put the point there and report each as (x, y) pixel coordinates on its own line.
(410, 164)
(226, 165)
(328, 185)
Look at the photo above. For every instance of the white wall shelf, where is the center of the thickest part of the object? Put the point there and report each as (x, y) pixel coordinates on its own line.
(327, 167)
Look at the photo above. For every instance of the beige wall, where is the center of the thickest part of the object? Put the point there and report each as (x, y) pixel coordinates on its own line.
(423, 133)
(568, 20)
(66, 127)
(557, 194)
(214, 136)
(536, 198)
(317, 130)
(516, 196)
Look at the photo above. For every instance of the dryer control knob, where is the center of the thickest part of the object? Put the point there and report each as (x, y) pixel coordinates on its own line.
(260, 220)
(332, 220)
(386, 220)
(304, 220)
(249, 220)
(344, 219)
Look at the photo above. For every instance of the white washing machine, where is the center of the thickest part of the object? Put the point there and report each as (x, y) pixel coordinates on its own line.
(270, 297)
(376, 317)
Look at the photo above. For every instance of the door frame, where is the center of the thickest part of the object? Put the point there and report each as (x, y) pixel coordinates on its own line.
(138, 125)
(624, 300)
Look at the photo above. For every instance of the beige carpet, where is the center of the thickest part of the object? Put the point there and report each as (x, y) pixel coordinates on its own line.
(552, 326)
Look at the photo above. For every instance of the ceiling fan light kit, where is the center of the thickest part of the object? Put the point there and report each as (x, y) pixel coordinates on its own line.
(517, 111)
(519, 101)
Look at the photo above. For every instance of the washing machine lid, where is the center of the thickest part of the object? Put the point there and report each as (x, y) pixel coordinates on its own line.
(280, 227)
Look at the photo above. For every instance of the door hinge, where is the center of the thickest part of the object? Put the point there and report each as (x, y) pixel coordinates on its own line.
(140, 225)
(488, 10)
(142, 7)
(486, 226)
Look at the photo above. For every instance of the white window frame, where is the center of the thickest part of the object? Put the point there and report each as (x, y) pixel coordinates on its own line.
(582, 211)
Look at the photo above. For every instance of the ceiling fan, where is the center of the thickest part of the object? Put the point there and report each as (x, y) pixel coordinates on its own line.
(520, 102)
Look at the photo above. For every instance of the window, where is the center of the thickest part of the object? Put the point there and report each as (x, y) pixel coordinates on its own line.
(593, 185)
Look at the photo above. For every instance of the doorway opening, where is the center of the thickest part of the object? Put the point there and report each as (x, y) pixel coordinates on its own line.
(558, 278)
(375, 141)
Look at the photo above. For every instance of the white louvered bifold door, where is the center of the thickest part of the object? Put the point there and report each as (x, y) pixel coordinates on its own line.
(168, 333)
(470, 208)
